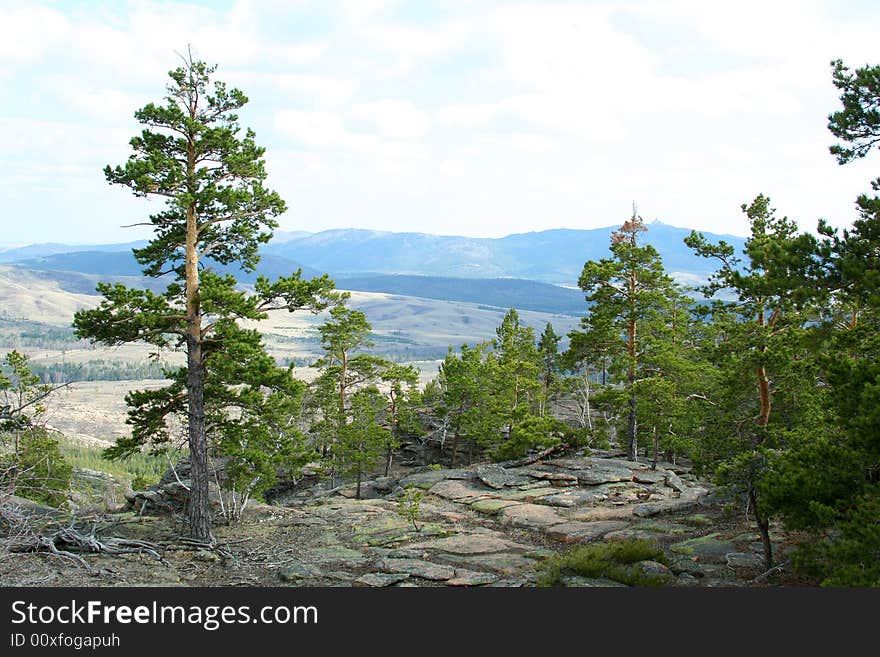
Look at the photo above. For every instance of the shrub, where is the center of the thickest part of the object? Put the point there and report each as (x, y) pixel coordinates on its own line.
(37, 471)
(409, 505)
(609, 560)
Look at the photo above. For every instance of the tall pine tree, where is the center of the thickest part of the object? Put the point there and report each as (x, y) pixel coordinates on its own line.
(627, 293)
(217, 212)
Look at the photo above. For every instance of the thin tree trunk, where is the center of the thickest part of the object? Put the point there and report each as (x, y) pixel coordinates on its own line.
(199, 512)
(359, 474)
(764, 390)
(632, 424)
(388, 456)
(656, 448)
(764, 528)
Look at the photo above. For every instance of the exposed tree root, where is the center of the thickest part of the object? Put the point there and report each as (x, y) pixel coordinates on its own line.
(69, 541)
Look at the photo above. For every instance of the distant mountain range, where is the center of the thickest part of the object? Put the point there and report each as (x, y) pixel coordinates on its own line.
(553, 256)
(530, 271)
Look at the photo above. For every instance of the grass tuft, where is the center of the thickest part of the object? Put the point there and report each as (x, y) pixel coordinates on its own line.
(613, 561)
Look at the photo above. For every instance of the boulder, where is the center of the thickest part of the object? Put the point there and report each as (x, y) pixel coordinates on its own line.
(649, 476)
(533, 516)
(494, 476)
(675, 482)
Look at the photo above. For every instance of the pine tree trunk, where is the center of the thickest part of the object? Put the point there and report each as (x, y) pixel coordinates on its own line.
(388, 456)
(199, 509)
(764, 528)
(199, 514)
(656, 448)
(632, 424)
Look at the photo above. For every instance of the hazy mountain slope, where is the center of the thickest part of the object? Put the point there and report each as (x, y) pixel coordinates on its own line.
(117, 265)
(29, 296)
(31, 251)
(554, 256)
(500, 292)
(499, 272)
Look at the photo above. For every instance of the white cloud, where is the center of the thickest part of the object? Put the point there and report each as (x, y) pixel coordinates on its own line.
(28, 32)
(495, 117)
(314, 129)
(395, 119)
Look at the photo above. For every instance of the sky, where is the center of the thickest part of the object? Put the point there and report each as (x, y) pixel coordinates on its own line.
(457, 117)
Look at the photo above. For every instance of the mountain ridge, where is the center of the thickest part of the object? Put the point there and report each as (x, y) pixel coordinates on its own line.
(537, 270)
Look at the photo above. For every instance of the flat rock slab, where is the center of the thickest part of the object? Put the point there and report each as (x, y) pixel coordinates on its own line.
(464, 577)
(338, 554)
(419, 568)
(709, 547)
(557, 479)
(491, 506)
(744, 560)
(471, 544)
(574, 581)
(694, 493)
(533, 516)
(452, 489)
(663, 527)
(590, 462)
(430, 477)
(583, 532)
(506, 563)
(571, 498)
(630, 535)
(381, 579)
(527, 494)
(393, 528)
(399, 553)
(648, 509)
(497, 477)
(296, 571)
(589, 514)
(649, 476)
(603, 475)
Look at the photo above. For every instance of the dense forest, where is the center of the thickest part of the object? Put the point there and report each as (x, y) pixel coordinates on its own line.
(766, 378)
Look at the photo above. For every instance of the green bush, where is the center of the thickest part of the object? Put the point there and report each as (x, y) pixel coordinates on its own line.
(850, 554)
(531, 433)
(37, 471)
(609, 560)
